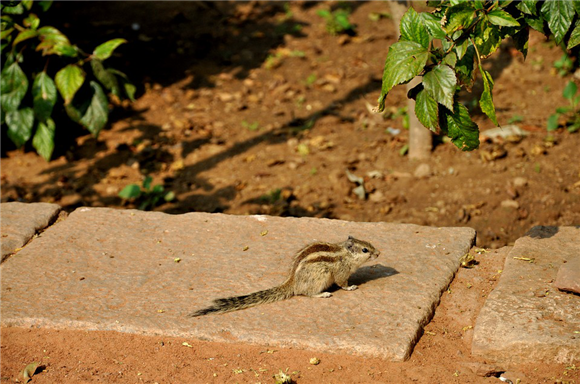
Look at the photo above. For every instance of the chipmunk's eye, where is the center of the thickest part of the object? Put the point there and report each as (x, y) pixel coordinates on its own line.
(364, 250)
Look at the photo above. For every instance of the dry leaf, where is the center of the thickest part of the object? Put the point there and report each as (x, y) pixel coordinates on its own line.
(282, 378)
(29, 371)
(314, 361)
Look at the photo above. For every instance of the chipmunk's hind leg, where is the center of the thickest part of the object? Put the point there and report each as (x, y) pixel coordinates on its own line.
(313, 282)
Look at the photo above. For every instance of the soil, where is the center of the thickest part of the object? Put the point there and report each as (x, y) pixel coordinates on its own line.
(254, 108)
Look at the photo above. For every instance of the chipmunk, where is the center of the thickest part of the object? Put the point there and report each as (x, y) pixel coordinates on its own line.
(315, 268)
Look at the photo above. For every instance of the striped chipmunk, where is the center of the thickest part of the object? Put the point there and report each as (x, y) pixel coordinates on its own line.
(315, 268)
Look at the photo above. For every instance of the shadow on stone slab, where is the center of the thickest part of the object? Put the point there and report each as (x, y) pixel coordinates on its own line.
(369, 273)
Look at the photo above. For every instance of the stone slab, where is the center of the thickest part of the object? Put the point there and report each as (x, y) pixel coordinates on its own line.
(105, 269)
(21, 221)
(526, 318)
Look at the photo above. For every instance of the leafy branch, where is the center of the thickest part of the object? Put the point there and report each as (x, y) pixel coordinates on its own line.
(447, 45)
(79, 78)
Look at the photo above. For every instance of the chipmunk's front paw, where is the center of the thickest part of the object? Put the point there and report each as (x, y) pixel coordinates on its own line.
(350, 288)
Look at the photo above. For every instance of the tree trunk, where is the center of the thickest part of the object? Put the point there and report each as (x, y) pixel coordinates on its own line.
(420, 139)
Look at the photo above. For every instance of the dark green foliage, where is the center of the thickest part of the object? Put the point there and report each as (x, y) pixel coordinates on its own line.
(26, 48)
(570, 114)
(147, 196)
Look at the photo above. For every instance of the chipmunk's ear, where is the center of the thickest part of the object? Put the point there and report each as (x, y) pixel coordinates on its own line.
(349, 243)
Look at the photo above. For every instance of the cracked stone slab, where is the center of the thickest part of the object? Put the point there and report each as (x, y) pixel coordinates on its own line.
(21, 221)
(526, 318)
(143, 272)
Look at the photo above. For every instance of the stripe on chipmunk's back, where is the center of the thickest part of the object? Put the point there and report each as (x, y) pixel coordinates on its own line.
(325, 252)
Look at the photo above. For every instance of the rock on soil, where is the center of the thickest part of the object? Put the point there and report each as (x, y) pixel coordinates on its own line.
(526, 318)
(21, 221)
(144, 272)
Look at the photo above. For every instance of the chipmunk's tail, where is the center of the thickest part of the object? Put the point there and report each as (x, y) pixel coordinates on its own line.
(236, 303)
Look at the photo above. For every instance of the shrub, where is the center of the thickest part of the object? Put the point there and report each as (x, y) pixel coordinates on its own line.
(446, 47)
(39, 64)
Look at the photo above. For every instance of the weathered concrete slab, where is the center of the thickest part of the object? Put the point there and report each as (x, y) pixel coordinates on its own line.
(104, 269)
(21, 221)
(526, 318)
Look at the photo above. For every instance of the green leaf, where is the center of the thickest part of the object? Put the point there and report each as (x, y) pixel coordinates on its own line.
(147, 183)
(131, 191)
(502, 18)
(412, 28)
(72, 112)
(13, 87)
(15, 10)
(106, 77)
(4, 35)
(563, 110)
(459, 17)
(487, 39)
(27, 4)
(65, 50)
(462, 47)
(427, 111)
(32, 21)
(486, 100)
(68, 81)
(574, 36)
(440, 82)
(104, 51)
(536, 23)
(552, 123)
(97, 114)
(169, 196)
(54, 41)
(450, 59)
(342, 20)
(570, 91)
(462, 131)
(521, 39)
(405, 60)
(43, 140)
(45, 4)
(129, 88)
(44, 96)
(24, 35)
(504, 3)
(433, 25)
(404, 150)
(527, 6)
(573, 127)
(20, 125)
(559, 15)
